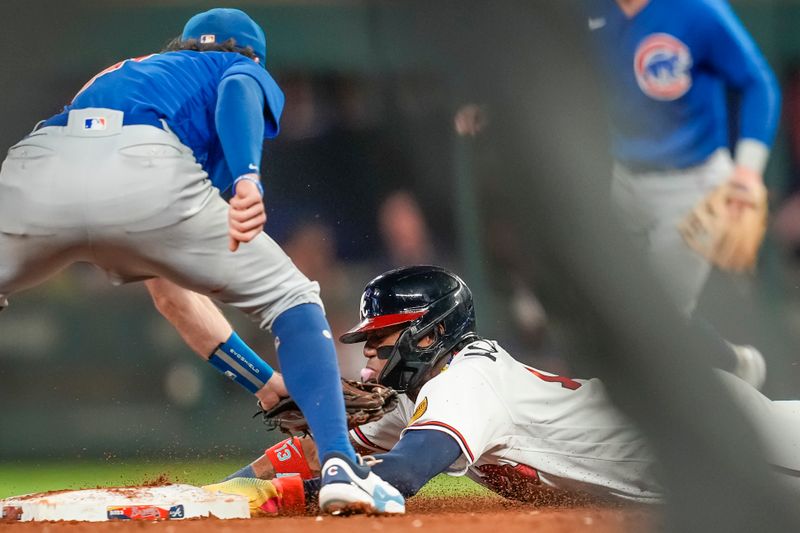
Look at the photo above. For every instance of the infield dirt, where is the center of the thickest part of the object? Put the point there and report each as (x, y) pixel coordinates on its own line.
(431, 514)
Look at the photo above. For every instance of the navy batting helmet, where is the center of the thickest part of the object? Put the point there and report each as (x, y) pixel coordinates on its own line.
(421, 298)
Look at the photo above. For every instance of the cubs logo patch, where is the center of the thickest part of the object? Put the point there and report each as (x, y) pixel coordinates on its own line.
(663, 67)
(208, 38)
(419, 411)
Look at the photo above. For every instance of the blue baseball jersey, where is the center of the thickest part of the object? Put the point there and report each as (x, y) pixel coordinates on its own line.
(669, 69)
(181, 88)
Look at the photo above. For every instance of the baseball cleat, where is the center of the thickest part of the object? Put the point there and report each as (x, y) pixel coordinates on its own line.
(350, 488)
(750, 365)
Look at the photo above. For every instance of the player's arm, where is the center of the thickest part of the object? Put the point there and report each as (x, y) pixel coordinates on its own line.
(239, 120)
(734, 55)
(416, 459)
(206, 331)
(295, 455)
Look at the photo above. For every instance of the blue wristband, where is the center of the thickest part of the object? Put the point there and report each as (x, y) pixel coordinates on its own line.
(251, 180)
(239, 362)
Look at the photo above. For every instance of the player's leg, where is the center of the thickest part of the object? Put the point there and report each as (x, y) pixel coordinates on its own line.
(174, 225)
(681, 270)
(258, 279)
(650, 207)
(206, 331)
(777, 424)
(187, 243)
(261, 280)
(653, 204)
(37, 235)
(685, 272)
(27, 261)
(191, 315)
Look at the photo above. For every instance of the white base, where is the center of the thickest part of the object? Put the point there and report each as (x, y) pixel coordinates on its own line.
(169, 502)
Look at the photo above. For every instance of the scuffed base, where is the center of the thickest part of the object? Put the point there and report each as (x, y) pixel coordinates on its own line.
(168, 502)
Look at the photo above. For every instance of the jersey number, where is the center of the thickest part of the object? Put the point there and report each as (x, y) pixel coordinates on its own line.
(112, 68)
(566, 383)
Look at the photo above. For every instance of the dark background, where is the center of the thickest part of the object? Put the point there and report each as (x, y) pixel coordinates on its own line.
(367, 174)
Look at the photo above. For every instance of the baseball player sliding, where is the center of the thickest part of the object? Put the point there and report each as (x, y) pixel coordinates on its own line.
(128, 177)
(670, 65)
(470, 408)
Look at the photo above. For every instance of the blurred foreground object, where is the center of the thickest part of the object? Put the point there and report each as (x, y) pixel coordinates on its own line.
(529, 62)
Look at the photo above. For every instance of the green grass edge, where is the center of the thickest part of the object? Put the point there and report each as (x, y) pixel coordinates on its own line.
(25, 477)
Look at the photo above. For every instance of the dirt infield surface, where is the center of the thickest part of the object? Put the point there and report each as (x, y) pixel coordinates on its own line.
(460, 514)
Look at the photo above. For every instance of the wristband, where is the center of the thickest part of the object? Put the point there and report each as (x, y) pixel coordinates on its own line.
(752, 154)
(239, 362)
(288, 459)
(250, 178)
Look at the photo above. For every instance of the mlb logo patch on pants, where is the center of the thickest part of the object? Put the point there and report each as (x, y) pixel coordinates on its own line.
(94, 123)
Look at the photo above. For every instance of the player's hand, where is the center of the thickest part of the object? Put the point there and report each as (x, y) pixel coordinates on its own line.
(246, 214)
(278, 496)
(744, 190)
(271, 393)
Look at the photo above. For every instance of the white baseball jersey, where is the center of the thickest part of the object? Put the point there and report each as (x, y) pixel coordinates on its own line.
(526, 425)
(561, 432)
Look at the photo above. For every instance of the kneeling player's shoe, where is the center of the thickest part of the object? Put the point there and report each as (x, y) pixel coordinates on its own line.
(351, 487)
(750, 365)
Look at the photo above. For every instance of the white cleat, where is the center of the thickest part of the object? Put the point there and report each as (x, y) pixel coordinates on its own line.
(750, 365)
(349, 488)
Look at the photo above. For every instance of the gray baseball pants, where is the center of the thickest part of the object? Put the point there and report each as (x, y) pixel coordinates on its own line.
(133, 201)
(652, 204)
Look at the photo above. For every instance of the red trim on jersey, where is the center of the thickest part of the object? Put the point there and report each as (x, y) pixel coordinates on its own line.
(460, 437)
(355, 334)
(566, 383)
(365, 441)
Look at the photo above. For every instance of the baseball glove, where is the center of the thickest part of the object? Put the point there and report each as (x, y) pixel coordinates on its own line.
(363, 402)
(727, 227)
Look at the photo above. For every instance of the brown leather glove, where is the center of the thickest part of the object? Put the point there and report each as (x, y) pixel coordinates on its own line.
(363, 403)
(728, 226)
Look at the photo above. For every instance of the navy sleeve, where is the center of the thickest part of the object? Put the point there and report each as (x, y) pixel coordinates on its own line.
(416, 459)
(239, 122)
(733, 54)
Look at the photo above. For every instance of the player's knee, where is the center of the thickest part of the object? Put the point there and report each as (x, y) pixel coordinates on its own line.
(166, 301)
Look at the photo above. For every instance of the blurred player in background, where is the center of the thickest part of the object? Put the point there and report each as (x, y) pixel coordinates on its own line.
(129, 176)
(670, 65)
(470, 408)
